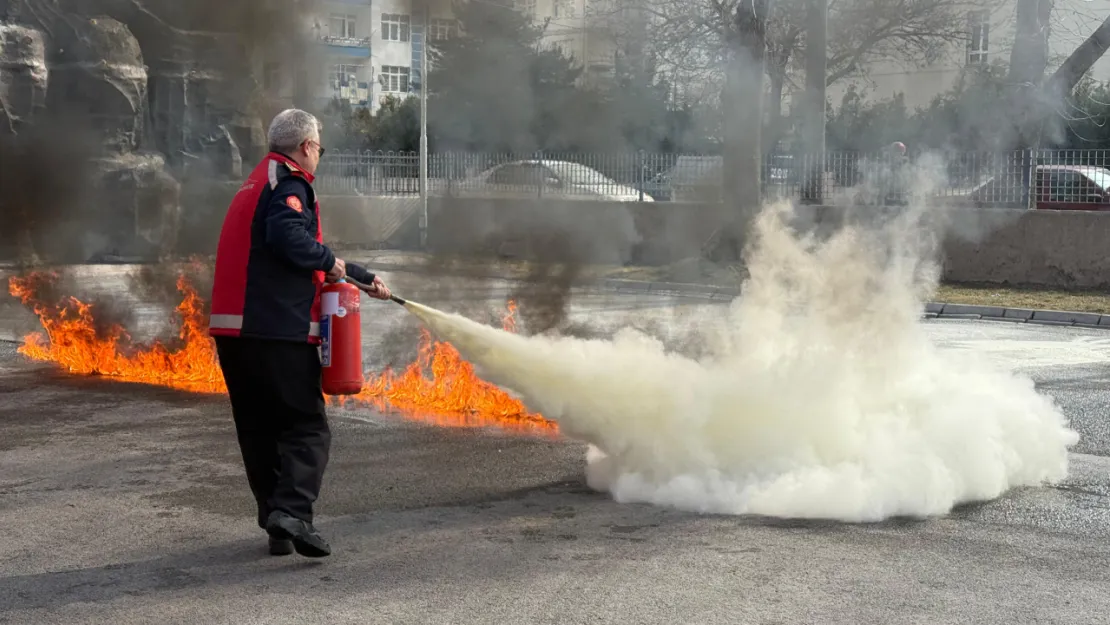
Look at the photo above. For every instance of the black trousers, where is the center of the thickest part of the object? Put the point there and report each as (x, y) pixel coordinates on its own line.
(280, 420)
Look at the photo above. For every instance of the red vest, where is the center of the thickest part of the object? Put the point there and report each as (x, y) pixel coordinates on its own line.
(235, 255)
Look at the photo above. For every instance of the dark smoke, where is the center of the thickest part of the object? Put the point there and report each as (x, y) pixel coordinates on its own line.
(91, 159)
(542, 292)
(83, 151)
(62, 294)
(159, 283)
(555, 241)
(43, 183)
(544, 297)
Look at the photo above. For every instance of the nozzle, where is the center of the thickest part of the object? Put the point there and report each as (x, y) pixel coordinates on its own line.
(397, 299)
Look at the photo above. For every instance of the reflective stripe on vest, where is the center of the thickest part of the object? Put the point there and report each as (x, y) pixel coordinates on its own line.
(272, 174)
(235, 322)
(226, 322)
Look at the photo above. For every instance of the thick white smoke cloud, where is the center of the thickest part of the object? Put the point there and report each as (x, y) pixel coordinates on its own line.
(825, 397)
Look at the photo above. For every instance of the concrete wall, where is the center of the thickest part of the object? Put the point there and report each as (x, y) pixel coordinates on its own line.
(1053, 248)
(1046, 248)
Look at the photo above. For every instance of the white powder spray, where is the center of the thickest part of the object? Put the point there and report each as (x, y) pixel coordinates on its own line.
(825, 398)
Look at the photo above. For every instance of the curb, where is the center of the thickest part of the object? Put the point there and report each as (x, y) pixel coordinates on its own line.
(933, 310)
(1017, 315)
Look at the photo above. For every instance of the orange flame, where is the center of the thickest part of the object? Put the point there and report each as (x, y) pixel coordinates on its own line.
(439, 388)
(73, 342)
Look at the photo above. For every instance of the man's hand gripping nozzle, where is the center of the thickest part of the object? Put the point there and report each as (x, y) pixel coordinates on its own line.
(366, 287)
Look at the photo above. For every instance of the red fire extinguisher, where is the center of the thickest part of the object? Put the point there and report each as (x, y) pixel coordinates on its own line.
(341, 338)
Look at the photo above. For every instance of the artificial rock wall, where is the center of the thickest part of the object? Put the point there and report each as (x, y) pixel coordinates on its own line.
(129, 98)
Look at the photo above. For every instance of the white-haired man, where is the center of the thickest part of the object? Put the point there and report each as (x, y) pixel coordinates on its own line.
(271, 263)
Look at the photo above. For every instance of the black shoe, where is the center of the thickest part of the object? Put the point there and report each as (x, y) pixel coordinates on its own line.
(280, 546)
(306, 540)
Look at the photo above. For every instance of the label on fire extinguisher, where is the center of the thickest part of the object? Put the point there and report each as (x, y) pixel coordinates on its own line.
(329, 303)
(325, 340)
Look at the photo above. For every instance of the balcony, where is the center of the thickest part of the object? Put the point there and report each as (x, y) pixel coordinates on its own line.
(346, 46)
(346, 42)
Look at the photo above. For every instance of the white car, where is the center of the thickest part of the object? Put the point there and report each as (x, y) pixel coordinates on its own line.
(532, 179)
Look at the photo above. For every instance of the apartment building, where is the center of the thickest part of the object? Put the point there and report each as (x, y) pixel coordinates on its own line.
(580, 29)
(366, 49)
(989, 38)
(371, 49)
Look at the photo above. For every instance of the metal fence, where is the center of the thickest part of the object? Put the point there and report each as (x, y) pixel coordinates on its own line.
(1064, 179)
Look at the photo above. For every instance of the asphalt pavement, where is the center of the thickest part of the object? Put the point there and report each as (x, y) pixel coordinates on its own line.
(123, 504)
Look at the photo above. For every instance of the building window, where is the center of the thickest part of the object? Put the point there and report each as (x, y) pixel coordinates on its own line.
(343, 76)
(395, 27)
(563, 8)
(979, 29)
(527, 7)
(441, 28)
(271, 76)
(342, 26)
(394, 79)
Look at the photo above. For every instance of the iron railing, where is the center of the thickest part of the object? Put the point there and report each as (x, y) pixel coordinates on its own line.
(1077, 179)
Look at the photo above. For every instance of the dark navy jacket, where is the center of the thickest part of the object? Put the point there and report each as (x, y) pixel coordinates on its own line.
(271, 259)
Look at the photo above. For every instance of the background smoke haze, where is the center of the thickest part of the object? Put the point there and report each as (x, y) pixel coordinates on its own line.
(50, 156)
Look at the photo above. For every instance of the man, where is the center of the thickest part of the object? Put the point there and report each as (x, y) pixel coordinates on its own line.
(897, 185)
(270, 266)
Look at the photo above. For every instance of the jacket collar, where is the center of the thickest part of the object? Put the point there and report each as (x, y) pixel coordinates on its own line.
(293, 167)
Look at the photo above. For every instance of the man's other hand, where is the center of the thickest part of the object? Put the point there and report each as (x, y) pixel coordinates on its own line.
(378, 289)
(338, 271)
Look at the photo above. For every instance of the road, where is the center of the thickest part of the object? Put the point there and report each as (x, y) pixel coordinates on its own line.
(127, 504)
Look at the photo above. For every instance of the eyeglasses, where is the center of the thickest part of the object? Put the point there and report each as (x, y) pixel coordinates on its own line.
(318, 146)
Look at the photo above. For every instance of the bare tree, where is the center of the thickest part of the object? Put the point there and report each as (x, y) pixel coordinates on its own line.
(861, 32)
(1080, 61)
(691, 37)
(1028, 62)
(721, 42)
(1038, 106)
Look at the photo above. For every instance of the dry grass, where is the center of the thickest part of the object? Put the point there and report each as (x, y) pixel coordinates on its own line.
(1034, 298)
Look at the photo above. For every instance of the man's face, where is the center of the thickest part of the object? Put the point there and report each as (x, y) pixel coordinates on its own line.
(312, 152)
